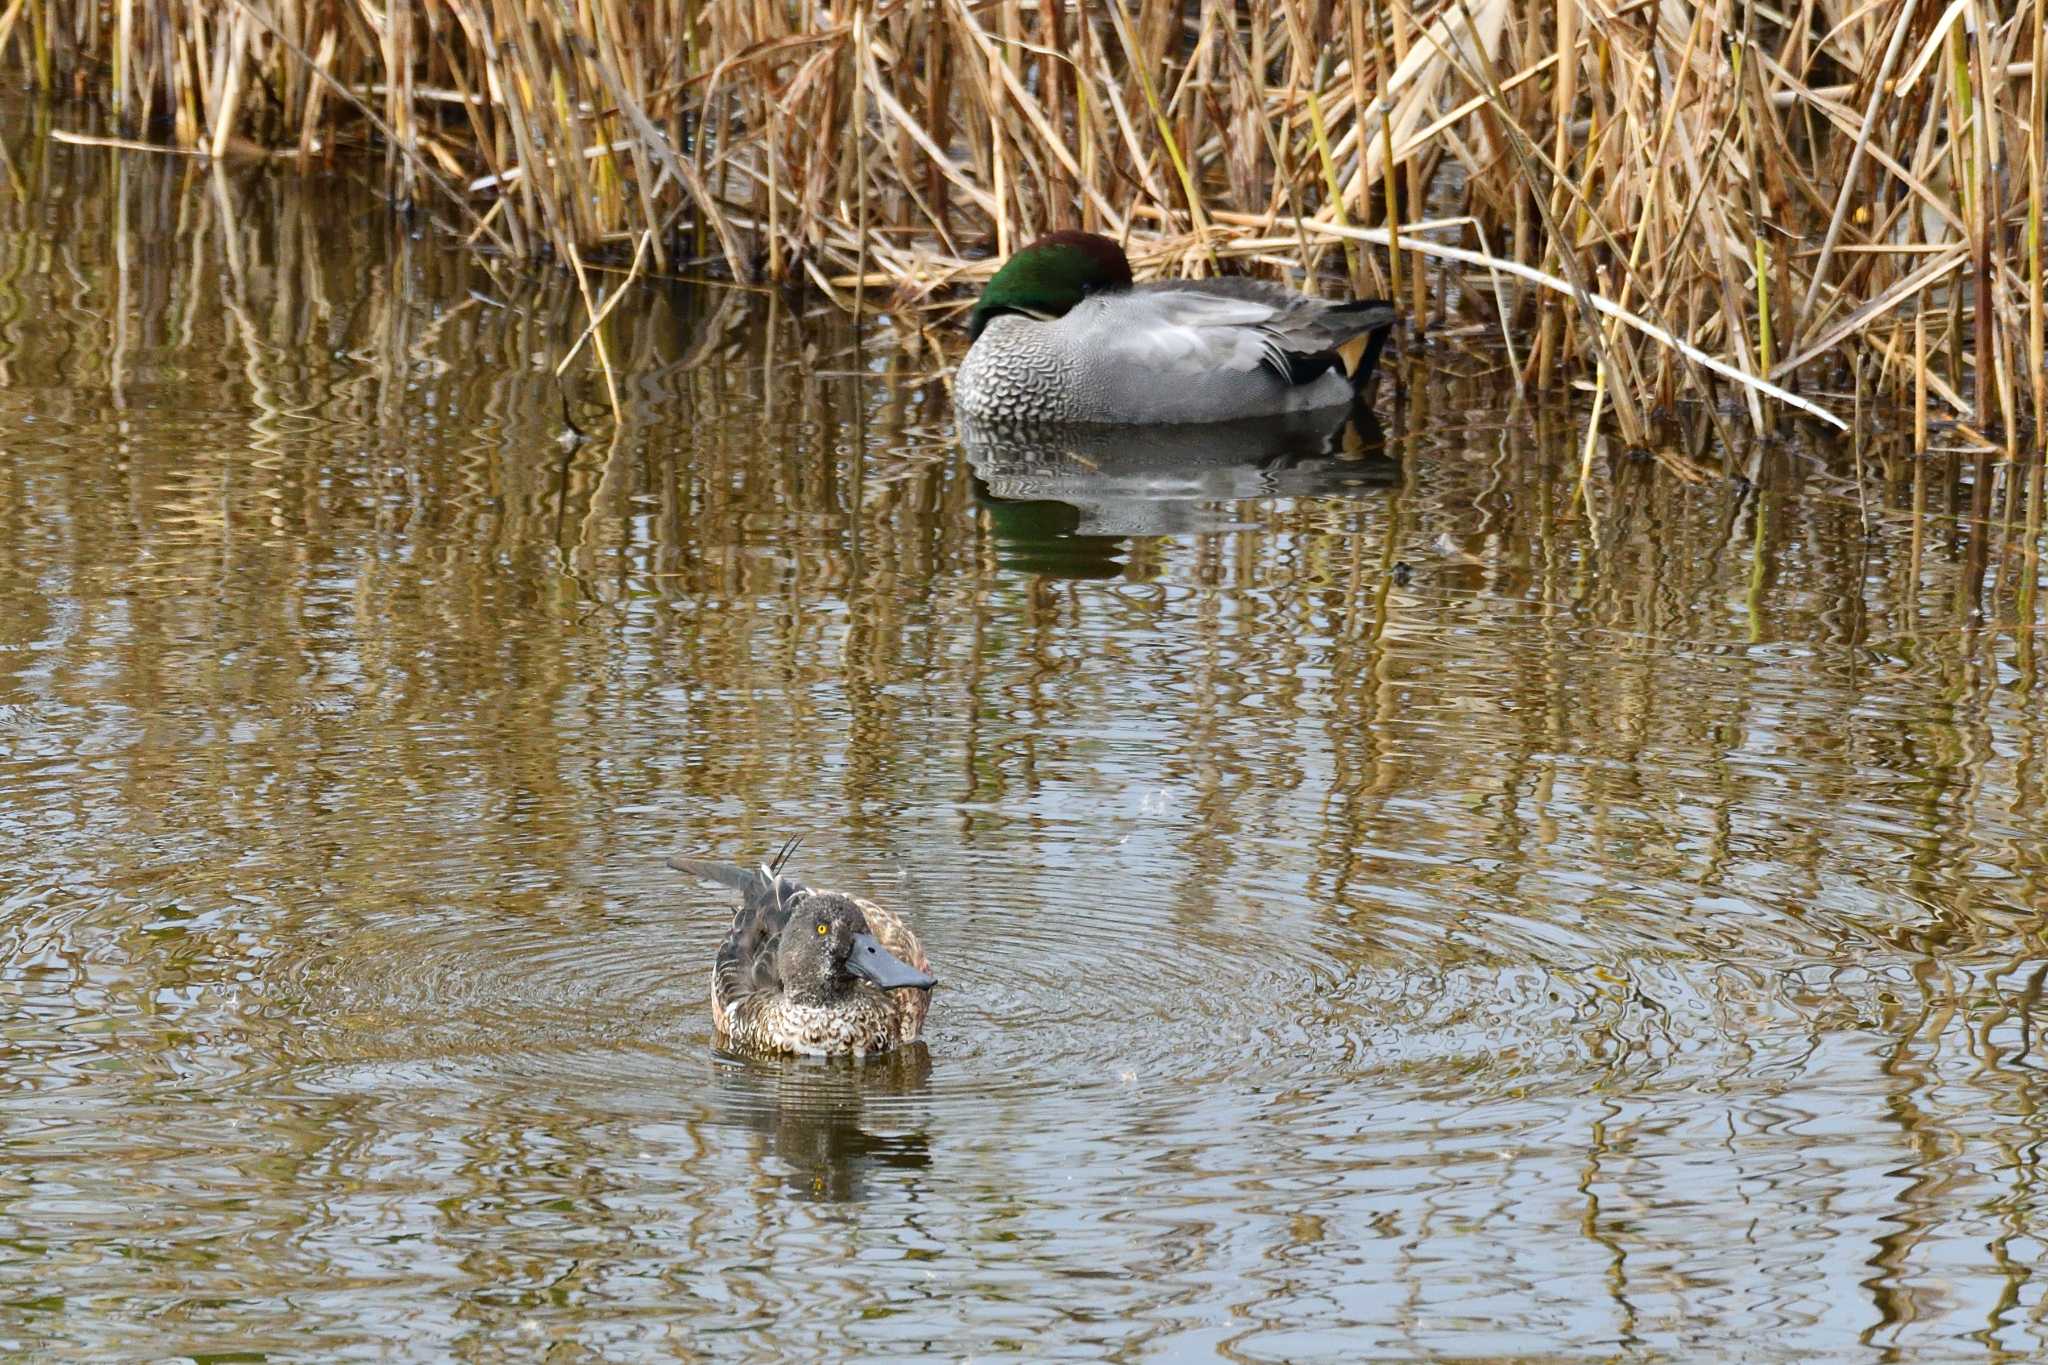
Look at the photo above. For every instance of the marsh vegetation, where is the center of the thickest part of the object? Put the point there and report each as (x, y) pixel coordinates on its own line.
(1815, 206)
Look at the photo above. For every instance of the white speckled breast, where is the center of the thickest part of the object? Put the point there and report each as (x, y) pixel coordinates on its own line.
(861, 1024)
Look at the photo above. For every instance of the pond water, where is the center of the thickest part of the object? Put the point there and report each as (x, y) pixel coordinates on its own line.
(1384, 904)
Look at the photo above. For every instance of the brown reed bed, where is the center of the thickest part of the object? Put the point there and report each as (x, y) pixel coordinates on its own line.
(1799, 206)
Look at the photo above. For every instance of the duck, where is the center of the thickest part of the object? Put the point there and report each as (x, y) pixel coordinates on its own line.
(1061, 334)
(810, 971)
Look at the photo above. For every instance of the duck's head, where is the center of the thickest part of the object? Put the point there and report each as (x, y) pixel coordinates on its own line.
(826, 948)
(1050, 276)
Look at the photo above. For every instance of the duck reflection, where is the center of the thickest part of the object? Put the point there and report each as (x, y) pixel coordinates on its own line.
(1064, 500)
(830, 1125)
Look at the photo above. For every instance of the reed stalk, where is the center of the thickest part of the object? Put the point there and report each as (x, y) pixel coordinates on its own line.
(1781, 189)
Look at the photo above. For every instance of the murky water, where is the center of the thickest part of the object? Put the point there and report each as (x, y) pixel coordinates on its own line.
(1384, 907)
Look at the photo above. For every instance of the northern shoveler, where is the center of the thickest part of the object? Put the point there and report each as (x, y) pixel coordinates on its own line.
(812, 971)
(1061, 334)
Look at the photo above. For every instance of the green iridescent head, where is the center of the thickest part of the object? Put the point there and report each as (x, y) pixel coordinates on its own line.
(1050, 276)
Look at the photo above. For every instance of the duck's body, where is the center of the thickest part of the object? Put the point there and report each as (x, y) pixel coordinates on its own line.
(1062, 334)
(811, 971)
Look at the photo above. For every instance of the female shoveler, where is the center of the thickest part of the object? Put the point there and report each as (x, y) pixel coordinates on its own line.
(1061, 334)
(812, 971)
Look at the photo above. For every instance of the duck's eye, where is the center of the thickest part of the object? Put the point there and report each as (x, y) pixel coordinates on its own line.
(822, 930)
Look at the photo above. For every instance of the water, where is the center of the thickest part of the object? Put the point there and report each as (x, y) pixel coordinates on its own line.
(1384, 907)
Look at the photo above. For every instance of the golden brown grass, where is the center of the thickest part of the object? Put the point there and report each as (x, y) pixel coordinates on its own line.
(1734, 199)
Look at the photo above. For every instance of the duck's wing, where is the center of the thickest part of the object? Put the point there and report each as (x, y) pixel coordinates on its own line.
(746, 959)
(761, 886)
(895, 935)
(888, 927)
(1194, 327)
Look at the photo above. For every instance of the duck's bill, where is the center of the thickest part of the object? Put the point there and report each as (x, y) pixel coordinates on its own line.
(870, 961)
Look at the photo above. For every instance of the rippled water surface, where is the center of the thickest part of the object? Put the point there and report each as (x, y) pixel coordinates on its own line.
(1385, 907)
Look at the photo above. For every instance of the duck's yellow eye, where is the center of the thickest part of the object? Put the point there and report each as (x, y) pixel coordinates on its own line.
(822, 931)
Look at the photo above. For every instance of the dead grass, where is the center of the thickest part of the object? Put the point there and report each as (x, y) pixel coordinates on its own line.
(1730, 200)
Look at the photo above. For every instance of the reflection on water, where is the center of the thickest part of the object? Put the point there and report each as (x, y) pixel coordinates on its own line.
(830, 1124)
(1061, 501)
(1397, 906)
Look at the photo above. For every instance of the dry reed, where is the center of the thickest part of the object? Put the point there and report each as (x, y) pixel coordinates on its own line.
(1678, 197)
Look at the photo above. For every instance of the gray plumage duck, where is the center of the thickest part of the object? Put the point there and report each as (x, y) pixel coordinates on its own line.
(812, 971)
(1062, 334)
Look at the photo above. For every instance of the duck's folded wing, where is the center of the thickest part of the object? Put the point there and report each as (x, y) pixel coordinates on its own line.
(893, 934)
(1189, 332)
(746, 960)
(1194, 327)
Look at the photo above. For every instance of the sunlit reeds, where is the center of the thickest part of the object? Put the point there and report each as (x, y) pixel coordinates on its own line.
(1730, 200)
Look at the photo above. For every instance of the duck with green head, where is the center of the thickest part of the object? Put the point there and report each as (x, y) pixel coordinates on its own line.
(1062, 334)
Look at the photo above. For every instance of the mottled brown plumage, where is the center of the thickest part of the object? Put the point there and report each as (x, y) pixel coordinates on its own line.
(812, 971)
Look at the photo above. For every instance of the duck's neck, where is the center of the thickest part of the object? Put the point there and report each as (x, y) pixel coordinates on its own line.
(830, 991)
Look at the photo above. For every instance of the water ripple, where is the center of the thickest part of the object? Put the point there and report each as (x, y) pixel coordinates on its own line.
(1385, 904)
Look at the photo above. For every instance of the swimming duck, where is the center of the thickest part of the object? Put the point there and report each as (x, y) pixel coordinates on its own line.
(1061, 334)
(812, 971)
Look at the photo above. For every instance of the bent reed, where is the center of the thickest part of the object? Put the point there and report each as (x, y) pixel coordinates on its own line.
(1811, 205)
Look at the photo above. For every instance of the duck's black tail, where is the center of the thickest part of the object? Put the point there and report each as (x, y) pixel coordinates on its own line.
(1314, 344)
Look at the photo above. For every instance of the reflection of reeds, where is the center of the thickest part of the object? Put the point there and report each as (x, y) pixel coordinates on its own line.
(1782, 188)
(432, 600)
